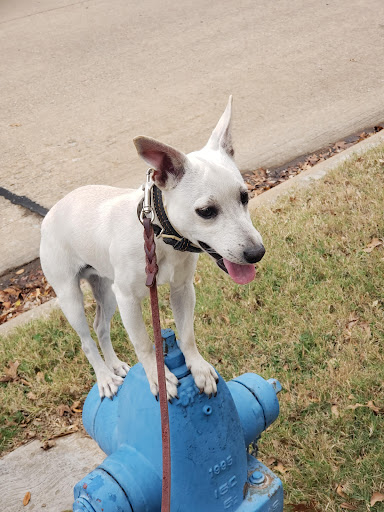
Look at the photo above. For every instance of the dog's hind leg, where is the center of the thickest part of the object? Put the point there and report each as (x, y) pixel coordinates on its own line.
(71, 301)
(105, 307)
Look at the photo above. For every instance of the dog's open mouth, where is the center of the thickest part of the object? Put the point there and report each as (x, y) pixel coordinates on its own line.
(241, 274)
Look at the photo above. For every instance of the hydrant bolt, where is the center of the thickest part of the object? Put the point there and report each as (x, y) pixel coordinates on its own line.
(257, 478)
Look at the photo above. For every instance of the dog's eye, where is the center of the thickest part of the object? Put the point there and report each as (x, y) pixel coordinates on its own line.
(207, 213)
(244, 197)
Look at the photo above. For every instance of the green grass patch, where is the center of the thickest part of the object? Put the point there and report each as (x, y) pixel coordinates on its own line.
(313, 318)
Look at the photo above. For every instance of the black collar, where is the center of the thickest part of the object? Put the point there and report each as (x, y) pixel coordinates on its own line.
(166, 231)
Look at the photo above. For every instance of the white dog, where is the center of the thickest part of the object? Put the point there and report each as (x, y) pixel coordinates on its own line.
(94, 233)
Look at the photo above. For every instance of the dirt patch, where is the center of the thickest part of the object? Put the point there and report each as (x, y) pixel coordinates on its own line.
(262, 179)
(23, 289)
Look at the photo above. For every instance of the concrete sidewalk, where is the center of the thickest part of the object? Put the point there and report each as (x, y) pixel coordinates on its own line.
(49, 476)
(80, 79)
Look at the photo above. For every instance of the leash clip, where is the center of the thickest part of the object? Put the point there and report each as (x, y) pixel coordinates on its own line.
(147, 209)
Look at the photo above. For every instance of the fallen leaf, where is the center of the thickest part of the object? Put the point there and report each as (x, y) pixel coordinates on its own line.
(375, 242)
(348, 506)
(341, 145)
(76, 406)
(370, 405)
(340, 491)
(352, 320)
(10, 372)
(376, 497)
(313, 159)
(12, 291)
(373, 407)
(26, 499)
(47, 445)
(40, 377)
(62, 409)
(335, 411)
(71, 429)
(20, 271)
(281, 468)
(366, 327)
(302, 507)
(355, 406)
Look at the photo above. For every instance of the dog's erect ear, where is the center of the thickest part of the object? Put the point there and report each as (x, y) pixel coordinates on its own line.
(167, 162)
(221, 137)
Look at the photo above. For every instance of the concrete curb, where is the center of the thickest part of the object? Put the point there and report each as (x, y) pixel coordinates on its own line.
(42, 311)
(306, 178)
(48, 475)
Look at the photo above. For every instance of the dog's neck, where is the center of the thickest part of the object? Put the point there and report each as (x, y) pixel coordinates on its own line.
(166, 231)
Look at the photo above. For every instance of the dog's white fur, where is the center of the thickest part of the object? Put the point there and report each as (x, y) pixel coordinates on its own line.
(94, 233)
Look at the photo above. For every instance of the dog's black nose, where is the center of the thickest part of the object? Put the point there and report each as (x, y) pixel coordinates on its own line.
(254, 254)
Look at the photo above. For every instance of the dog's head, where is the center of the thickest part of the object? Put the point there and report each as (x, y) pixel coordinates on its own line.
(206, 198)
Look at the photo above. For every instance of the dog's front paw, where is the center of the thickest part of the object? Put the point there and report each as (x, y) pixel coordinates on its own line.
(119, 367)
(171, 380)
(204, 374)
(108, 383)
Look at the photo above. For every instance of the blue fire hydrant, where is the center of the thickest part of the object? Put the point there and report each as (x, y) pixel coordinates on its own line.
(211, 470)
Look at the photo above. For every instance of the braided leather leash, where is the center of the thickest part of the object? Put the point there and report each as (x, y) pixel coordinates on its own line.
(151, 271)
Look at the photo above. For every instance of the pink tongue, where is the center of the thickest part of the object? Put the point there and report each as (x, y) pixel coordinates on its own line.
(241, 274)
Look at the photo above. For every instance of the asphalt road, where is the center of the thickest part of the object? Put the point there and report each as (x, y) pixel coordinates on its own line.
(79, 80)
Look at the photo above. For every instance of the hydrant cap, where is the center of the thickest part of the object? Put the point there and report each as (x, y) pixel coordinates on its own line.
(264, 392)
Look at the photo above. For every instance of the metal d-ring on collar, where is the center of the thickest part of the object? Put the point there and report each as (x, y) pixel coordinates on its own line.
(165, 231)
